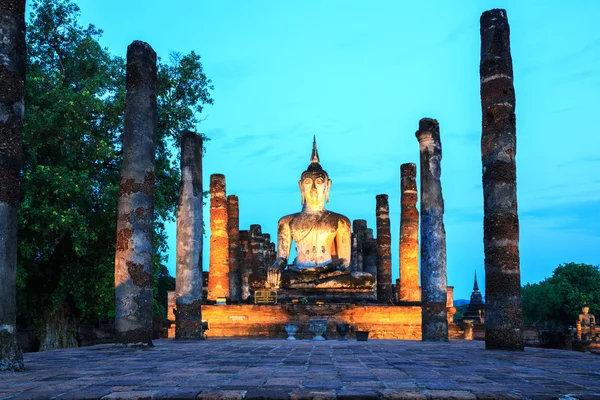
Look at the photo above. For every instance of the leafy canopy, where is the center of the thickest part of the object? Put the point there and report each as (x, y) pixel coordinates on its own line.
(557, 300)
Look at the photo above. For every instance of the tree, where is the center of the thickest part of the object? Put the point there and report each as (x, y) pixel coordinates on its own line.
(75, 96)
(557, 300)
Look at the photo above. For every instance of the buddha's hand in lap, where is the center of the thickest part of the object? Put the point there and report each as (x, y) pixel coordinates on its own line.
(274, 272)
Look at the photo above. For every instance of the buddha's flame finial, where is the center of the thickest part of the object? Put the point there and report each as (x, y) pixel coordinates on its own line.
(314, 158)
(475, 286)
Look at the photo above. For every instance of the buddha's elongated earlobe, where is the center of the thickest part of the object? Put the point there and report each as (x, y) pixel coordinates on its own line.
(327, 189)
(303, 198)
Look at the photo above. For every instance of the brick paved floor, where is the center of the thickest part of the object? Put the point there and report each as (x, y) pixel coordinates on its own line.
(273, 369)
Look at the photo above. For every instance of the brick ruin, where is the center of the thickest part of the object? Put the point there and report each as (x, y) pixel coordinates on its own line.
(239, 259)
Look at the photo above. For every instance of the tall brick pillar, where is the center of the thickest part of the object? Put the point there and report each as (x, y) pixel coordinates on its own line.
(433, 235)
(188, 286)
(245, 263)
(384, 253)
(135, 224)
(218, 281)
(233, 231)
(409, 235)
(12, 109)
(359, 228)
(258, 271)
(504, 313)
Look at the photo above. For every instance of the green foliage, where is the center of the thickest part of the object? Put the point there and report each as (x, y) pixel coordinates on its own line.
(557, 300)
(75, 101)
(460, 312)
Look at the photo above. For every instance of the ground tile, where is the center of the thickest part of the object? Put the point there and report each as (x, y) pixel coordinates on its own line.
(451, 395)
(401, 394)
(365, 394)
(307, 394)
(132, 395)
(222, 395)
(267, 394)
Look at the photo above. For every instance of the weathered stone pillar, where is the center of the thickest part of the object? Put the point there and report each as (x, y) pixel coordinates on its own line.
(384, 253)
(370, 262)
(504, 314)
(359, 227)
(218, 282)
(188, 318)
(135, 224)
(258, 270)
(12, 108)
(409, 235)
(433, 235)
(245, 263)
(233, 231)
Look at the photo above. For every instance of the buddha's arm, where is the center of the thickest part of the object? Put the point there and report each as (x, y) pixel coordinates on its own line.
(343, 241)
(284, 243)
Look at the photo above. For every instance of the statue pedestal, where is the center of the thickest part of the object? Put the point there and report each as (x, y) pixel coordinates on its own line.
(334, 286)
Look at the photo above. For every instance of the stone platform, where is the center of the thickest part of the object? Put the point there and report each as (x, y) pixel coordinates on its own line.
(282, 369)
(263, 321)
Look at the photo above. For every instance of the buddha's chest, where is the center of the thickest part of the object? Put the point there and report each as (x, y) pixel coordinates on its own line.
(313, 231)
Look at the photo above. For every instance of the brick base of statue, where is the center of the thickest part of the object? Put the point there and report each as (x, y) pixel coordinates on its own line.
(268, 321)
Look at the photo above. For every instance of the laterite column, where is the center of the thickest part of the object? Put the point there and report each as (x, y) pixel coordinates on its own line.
(188, 317)
(433, 235)
(135, 224)
(384, 253)
(409, 235)
(218, 281)
(233, 231)
(503, 313)
(12, 109)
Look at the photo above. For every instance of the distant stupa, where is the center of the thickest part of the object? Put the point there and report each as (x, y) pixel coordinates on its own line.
(475, 305)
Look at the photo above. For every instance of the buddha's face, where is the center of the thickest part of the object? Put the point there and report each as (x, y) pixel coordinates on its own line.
(314, 189)
(585, 310)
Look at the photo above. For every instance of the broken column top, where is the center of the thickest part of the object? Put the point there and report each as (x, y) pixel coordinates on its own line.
(359, 225)
(428, 129)
(217, 182)
(408, 169)
(494, 18)
(140, 50)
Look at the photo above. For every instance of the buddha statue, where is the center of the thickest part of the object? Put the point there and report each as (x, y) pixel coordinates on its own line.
(323, 242)
(585, 318)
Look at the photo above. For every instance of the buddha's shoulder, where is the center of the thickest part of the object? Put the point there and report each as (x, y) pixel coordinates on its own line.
(288, 218)
(339, 217)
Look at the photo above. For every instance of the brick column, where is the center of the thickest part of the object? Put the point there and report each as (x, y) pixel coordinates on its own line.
(218, 281)
(409, 235)
(188, 318)
(504, 314)
(245, 263)
(359, 228)
(433, 235)
(135, 224)
(258, 271)
(233, 231)
(384, 253)
(12, 108)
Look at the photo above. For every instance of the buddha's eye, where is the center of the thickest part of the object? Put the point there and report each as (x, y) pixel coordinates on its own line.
(319, 181)
(308, 181)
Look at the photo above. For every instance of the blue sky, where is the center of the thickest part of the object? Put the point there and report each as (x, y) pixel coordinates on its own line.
(359, 75)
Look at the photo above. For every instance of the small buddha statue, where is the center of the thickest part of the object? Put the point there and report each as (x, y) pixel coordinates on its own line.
(586, 319)
(322, 238)
(586, 323)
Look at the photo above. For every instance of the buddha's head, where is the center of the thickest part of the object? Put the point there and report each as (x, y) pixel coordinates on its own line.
(585, 308)
(314, 182)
